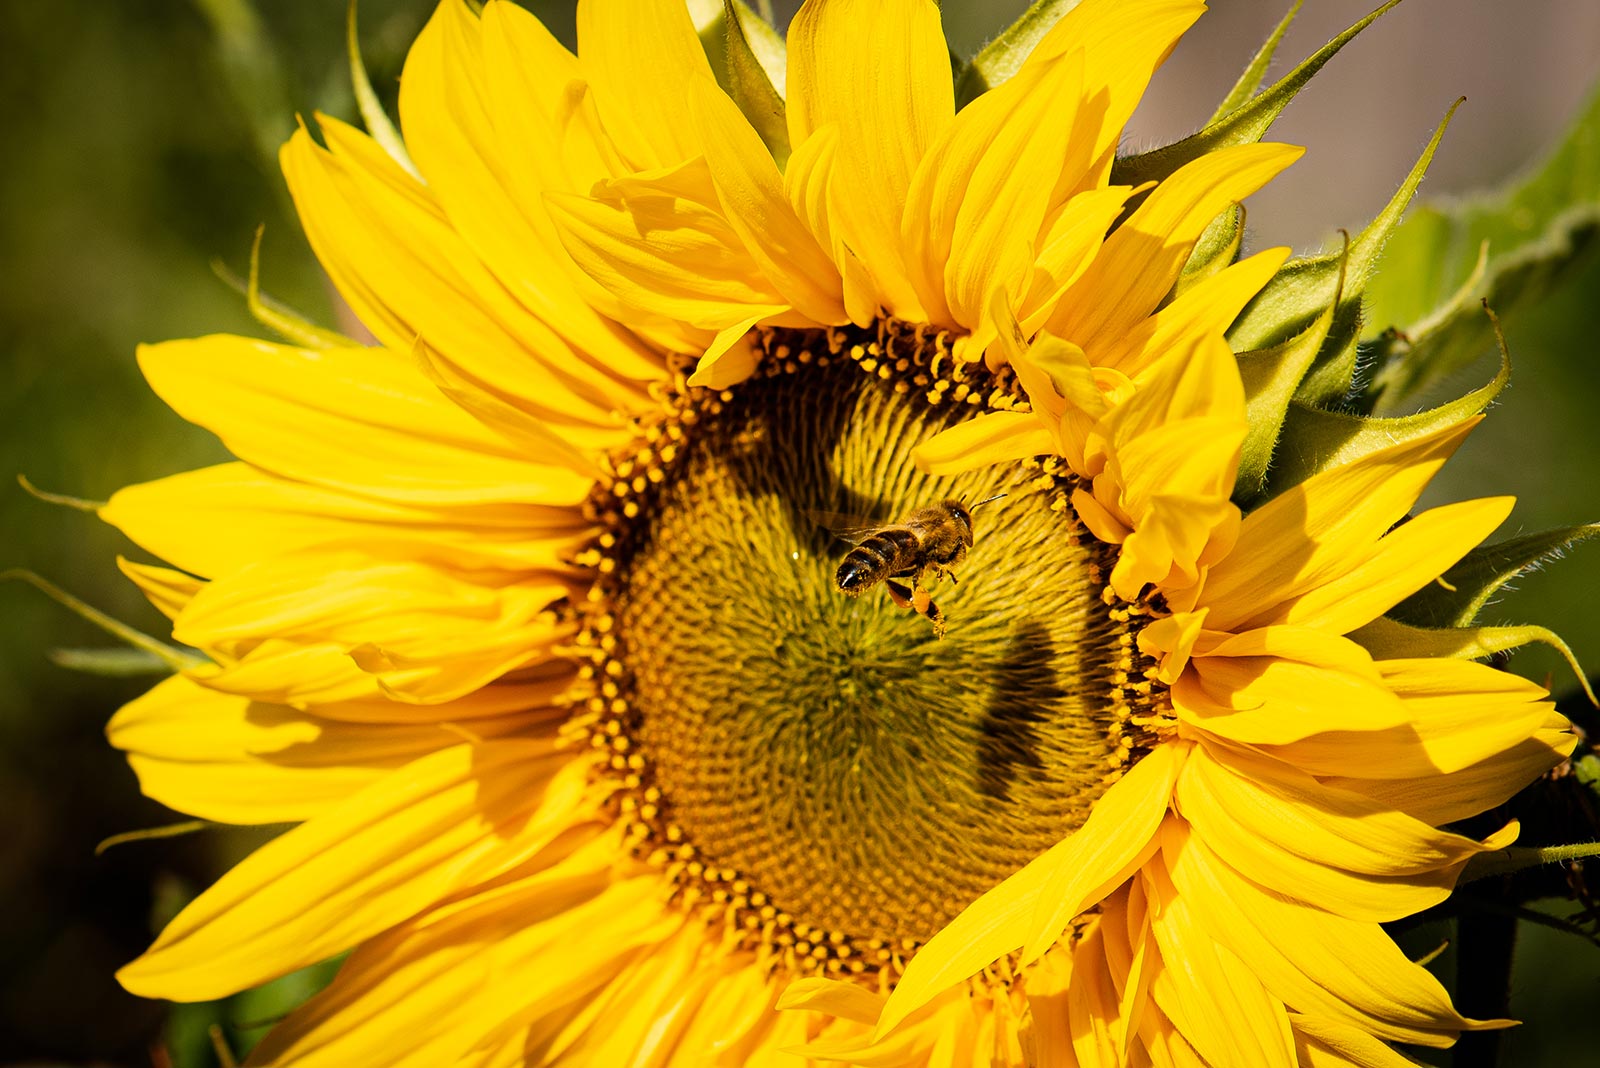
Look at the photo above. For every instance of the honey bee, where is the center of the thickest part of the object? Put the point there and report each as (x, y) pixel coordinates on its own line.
(930, 541)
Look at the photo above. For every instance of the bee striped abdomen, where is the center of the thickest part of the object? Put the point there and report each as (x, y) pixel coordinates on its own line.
(875, 559)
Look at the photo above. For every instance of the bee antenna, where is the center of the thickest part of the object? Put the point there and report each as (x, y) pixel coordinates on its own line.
(986, 500)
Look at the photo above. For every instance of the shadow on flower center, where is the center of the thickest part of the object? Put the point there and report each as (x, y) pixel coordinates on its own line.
(820, 771)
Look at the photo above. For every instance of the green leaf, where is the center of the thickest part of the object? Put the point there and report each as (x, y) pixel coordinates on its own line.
(1517, 858)
(1245, 124)
(1507, 248)
(110, 663)
(372, 113)
(1271, 377)
(748, 81)
(1315, 440)
(1390, 639)
(1256, 72)
(1002, 57)
(1300, 291)
(176, 659)
(1456, 598)
(77, 503)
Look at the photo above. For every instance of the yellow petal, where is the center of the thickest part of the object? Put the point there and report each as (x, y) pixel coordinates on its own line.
(1405, 560)
(755, 205)
(361, 420)
(229, 759)
(1477, 787)
(730, 358)
(1300, 538)
(1205, 310)
(831, 997)
(1281, 684)
(1337, 968)
(444, 822)
(218, 519)
(1112, 843)
(1125, 41)
(878, 70)
(463, 969)
(168, 590)
(639, 56)
(1033, 906)
(450, 117)
(659, 243)
(406, 271)
(1213, 999)
(1326, 1044)
(991, 438)
(1141, 259)
(1337, 850)
(1066, 249)
(978, 199)
(552, 140)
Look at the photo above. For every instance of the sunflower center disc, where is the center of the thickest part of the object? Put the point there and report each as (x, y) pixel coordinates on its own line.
(866, 777)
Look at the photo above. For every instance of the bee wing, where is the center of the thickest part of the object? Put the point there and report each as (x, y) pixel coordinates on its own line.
(854, 529)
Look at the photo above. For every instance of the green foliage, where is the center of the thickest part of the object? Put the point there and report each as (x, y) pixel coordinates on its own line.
(1244, 124)
(275, 315)
(372, 114)
(1304, 287)
(1271, 377)
(1508, 248)
(1390, 639)
(749, 57)
(176, 659)
(1256, 72)
(151, 834)
(1518, 858)
(1315, 439)
(111, 663)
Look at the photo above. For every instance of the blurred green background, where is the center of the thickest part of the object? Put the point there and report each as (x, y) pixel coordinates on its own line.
(140, 146)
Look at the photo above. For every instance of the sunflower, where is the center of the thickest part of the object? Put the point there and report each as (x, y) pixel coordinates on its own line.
(527, 614)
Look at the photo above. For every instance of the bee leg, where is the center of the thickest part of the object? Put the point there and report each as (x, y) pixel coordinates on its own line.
(898, 593)
(923, 603)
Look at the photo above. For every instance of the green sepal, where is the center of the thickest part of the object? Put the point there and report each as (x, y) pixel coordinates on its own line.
(1303, 288)
(373, 116)
(1217, 248)
(1271, 377)
(79, 504)
(1001, 58)
(273, 314)
(110, 663)
(1518, 858)
(1456, 598)
(147, 834)
(1250, 81)
(1390, 639)
(1245, 124)
(1314, 439)
(174, 658)
(1505, 248)
(749, 51)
